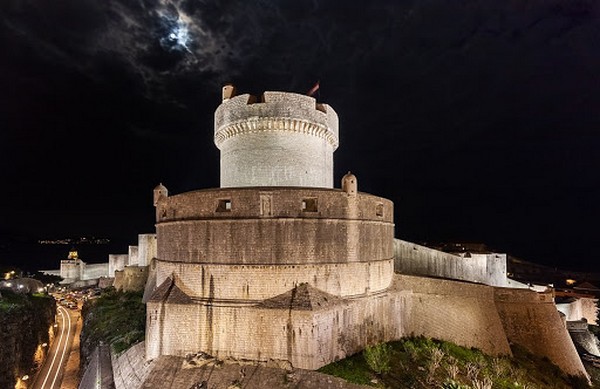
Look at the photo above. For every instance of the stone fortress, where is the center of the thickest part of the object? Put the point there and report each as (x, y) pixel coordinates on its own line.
(279, 266)
(275, 264)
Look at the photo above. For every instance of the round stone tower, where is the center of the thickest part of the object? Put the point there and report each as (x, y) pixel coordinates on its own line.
(229, 259)
(277, 139)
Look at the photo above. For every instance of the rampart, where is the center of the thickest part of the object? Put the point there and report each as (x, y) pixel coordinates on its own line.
(274, 226)
(146, 248)
(304, 326)
(289, 128)
(459, 312)
(530, 319)
(93, 271)
(133, 256)
(71, 269)
(117, 262)
(414, 259)
(130, 369)
(580, 308)
(131, 278)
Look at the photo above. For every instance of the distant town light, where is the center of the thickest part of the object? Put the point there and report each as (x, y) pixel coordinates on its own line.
(570, 281)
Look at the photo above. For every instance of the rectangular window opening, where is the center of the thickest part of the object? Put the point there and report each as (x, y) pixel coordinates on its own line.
(379, 210)
(309, 205)
(224, 205)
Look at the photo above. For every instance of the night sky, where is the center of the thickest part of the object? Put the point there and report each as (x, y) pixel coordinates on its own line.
(479, 119)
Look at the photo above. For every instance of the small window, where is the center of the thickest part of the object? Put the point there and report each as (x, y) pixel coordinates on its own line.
(224, 206)
(379, 210)
(309, 205)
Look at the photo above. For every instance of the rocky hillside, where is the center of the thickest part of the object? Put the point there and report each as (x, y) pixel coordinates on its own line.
(25, 321)
(116, 318)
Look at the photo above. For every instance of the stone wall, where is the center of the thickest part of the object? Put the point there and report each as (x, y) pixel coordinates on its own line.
(146, 248)
(580, 308)
(130, 369)
(71, 270)
(458, 312)
(288, 128)
(105, 282)
(132, 278)
(251, 283)
(275, 226)
(413, 259)
(531, 320)
(307, 338)
(117, 262)
(98, 374)
(468, 314)
(133, 255)
(93, 271)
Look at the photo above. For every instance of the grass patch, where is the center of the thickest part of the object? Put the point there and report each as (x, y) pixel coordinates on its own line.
(117, 318)
(353, 369)
(419, 362)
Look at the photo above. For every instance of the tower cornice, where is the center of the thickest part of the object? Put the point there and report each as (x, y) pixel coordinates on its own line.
(274, 124)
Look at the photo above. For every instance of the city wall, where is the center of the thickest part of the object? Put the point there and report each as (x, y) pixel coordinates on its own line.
(468, 314)
(133, 259)
(94, 270)
(130, 369)
(414, 259)
(458, 312)
(146, 248)
(531, 320)
(308, 338)
(132, 278)
(581, 308)
(117, 262)
(71, 269)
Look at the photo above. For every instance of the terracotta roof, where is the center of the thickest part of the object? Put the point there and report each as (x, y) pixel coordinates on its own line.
(303, 297)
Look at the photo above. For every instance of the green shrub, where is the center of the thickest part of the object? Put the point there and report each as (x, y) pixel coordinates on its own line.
(378, 357)
(451, 384)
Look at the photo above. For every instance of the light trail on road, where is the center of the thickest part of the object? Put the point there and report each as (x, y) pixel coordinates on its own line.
(66, 318)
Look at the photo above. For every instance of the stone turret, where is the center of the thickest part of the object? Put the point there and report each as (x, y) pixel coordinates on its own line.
(349, 184)
(279, 139)
(160, 192)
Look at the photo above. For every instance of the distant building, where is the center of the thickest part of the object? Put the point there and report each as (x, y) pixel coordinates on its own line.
(22, 285)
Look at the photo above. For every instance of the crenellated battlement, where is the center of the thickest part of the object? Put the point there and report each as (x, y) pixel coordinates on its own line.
(276, 111)
(275, 139)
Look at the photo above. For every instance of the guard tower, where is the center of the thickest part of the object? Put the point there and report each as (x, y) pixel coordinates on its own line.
(277, 139)
(276, 263)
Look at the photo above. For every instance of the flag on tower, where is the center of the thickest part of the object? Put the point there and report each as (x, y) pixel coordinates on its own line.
(313, 89)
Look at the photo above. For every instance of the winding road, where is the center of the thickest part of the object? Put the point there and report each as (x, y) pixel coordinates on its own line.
(52, 371)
